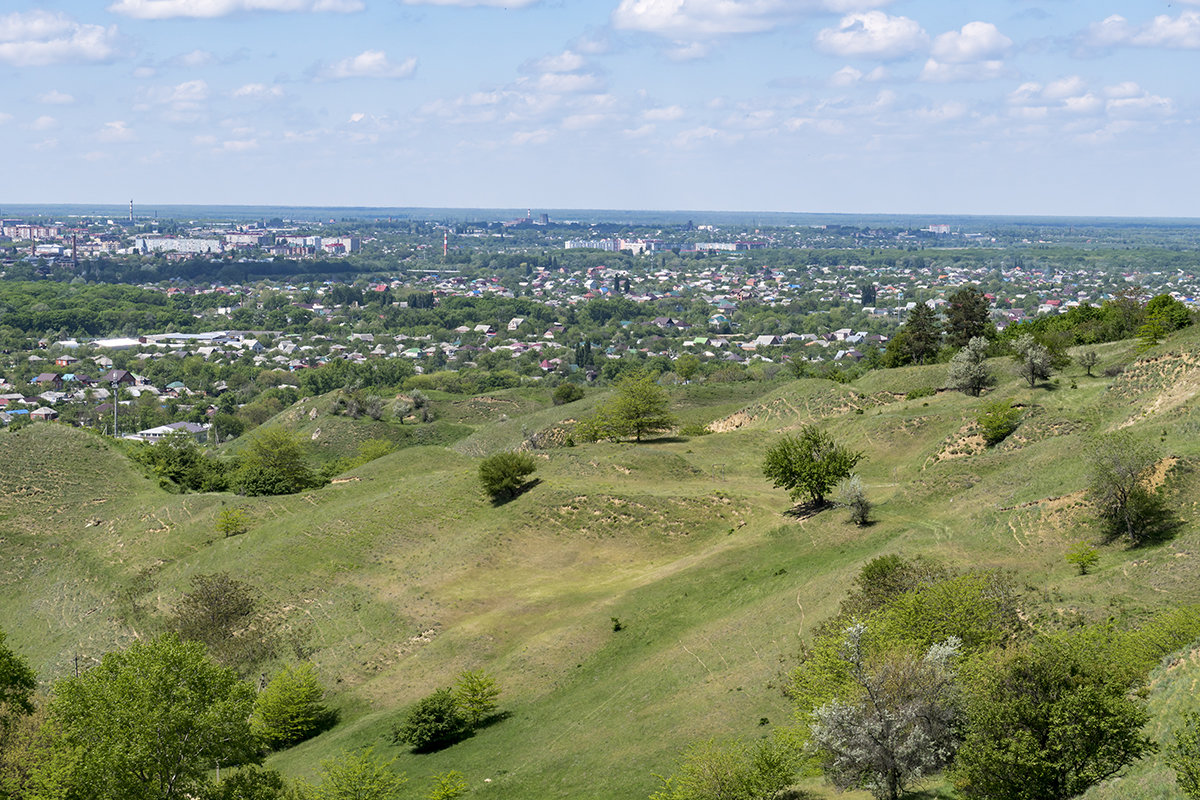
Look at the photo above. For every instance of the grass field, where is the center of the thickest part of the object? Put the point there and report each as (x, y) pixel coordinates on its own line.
(403, 574)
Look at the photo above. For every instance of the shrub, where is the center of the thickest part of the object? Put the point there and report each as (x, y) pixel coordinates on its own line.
(1082, 555)
(503, 474)
(434, 721)
(289, 710)
(567, 393)
(924, 391)
(852, 496)
(997, 419)
(1184, 756)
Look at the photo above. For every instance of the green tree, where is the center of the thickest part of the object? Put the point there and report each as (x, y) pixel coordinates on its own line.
(1033, 359)
(503, 474)
(1050, 718)
(289, 710)
(17, 684)
(1119, 465)
(274, 463)
(966, 316)
(232, 521)
(638, 407)
(448, 786)
(433, 722)
(687, 365)
(476, 693)
(1088, 361)
(147, 723)
(1184, 755)
(1083, 556)
(809, 463)
(922, 333)
(897, 725)
(357, 775)
(968, 371)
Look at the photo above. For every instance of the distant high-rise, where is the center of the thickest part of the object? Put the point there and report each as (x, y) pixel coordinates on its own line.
(131, 212)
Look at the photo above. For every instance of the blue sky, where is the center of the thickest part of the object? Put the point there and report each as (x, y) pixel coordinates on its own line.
(917, 106)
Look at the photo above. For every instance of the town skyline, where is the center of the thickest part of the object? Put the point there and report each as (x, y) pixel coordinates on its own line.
(1005, 107)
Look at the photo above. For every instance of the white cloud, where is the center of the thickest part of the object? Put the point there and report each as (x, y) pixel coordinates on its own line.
(846, 76)
(40, 38)
(43, 123)
(116, 131)
(258, 91)
(208, 9)
(663, 114)
(5, 118)
(568, 83)
(691, 18)
(1180, 33)
(144, 71)
(196, 58)
(976, 41)
(579, 122)
(540, 136)
(1070, 86)
(371, 64)
(239, 145)
(56, 98)
(688, 51)
(566, 61)
(472, 3)
(938, 72)
(184, 102)
(873, 34)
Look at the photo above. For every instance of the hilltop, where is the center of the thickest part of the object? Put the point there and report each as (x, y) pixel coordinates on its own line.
(402, 574)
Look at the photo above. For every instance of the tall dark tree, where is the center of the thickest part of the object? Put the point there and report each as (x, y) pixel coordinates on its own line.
(966, 316)
(922, 332)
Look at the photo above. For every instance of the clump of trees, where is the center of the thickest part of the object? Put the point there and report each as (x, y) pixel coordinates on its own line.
(449, 714)
(274, 463)
(713, 770)
(503, 474)
(1119, 467)
(924, 670)
(809, 463)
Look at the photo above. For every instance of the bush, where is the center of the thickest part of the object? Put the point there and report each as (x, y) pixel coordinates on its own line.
(567, 393)
(289, 710)
(503, 474)
(997, 419)
(853, 497)
(274, 463)
(476, 693)
(232, 521)
(434, 721)
(924, 391)
(1184, 756)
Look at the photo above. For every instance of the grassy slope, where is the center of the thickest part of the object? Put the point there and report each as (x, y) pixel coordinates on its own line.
(397, 580)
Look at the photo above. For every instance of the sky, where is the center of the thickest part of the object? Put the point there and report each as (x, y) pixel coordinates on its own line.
(1060, 107)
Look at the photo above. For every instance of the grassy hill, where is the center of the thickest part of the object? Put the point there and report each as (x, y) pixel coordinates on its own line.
(403, 574)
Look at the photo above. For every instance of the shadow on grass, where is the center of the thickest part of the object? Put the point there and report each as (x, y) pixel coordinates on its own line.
(1155, 522)
(462, 735)
(515, 493)
(803, 511)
